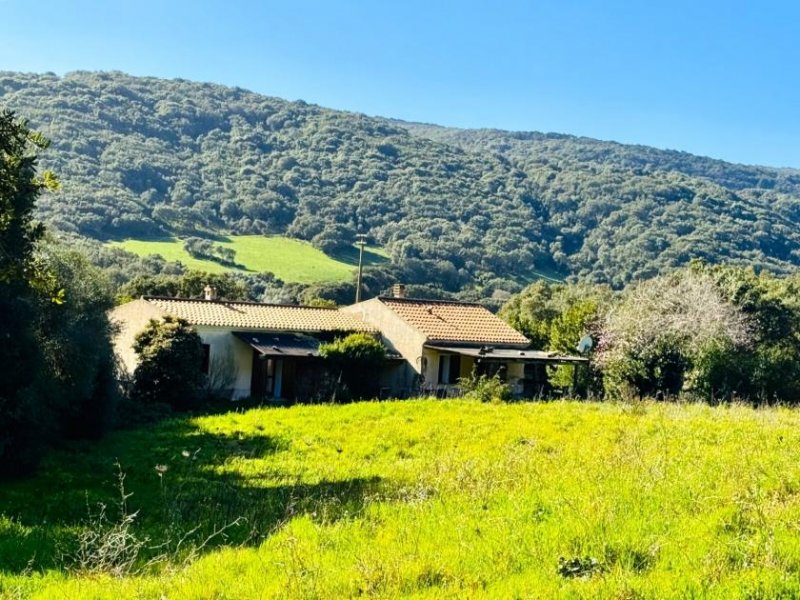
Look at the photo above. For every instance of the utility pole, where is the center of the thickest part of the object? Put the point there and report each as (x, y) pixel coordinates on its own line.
(361, 240)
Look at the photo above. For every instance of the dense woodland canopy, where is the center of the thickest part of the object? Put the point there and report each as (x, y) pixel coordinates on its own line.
(475, 212)
(620, 213)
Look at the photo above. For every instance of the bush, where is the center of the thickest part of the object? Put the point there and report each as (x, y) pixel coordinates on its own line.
(170, 359)
(485, 389)
(357, 360)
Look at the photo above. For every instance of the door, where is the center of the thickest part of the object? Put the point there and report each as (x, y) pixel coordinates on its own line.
(262, 380)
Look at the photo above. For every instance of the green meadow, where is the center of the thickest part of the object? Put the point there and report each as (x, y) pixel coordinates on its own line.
(289, 259)
(419, 499)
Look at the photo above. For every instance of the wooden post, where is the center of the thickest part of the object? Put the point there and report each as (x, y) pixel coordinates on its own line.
(361, 240)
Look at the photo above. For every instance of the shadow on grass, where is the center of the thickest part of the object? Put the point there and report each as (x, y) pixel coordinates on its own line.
(184, 483)
(349, 256)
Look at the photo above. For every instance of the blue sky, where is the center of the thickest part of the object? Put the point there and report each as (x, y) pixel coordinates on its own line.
(709, 77)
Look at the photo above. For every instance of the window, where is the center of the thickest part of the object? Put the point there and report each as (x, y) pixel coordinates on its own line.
(492, 369)
(449, 368)
(206, 364)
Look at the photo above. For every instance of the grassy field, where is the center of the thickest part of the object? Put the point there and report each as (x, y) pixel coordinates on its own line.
(426, 499)
(290, 260)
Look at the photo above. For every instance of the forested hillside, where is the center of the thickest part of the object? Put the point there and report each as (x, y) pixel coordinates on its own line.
(144, 157)
(623, 211)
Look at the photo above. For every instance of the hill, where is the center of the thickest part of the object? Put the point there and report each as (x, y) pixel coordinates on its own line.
(414, 499)
(147, 158)
(627, 212)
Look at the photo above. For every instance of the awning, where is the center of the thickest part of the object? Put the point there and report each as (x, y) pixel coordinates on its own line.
(280, 344)
(490, 353)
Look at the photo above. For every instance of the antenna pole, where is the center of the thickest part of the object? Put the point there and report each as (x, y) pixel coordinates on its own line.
(361, 240)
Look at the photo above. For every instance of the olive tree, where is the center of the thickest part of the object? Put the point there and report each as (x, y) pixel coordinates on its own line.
(658, 339)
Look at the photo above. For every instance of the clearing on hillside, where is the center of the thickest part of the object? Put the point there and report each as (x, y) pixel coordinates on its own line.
(424, 498)
(293, 261)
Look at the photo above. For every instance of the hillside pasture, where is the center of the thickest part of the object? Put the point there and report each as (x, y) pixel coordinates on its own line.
(293, 261)
(425, 499)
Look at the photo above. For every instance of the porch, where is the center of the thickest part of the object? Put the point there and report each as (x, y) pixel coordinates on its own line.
(526, 372)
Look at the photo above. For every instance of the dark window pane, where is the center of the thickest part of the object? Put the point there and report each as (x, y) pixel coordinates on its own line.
(206, 358)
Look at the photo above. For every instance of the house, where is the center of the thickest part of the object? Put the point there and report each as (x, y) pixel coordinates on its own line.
(250, 349)
(443, 341)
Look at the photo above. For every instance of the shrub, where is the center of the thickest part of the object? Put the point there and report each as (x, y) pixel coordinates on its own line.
(170, 359)
(357, 360)
(485, 389)
(108, 544)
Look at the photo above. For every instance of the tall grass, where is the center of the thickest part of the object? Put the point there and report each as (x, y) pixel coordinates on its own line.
(430, 499)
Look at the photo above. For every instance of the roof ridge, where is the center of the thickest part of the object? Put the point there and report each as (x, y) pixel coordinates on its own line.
(431, 301)
(440, 320)
(246, 302)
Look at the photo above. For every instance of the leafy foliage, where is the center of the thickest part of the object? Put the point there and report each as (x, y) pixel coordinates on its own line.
(75, 339)
(358, 359)
(206, 249)
(56, 372)
(189, 285)
(653, 337)
(555, 317)
(619, 213)
(712, 332)
(771, 370)
(471, 213)
(484, 388)
(169, 369)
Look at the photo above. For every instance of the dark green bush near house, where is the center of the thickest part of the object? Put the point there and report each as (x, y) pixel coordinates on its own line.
(75, 338)
(169, 371)
(355, 361)
(485, 389)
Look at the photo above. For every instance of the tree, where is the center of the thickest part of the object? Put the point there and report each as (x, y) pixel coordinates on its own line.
(659, 337)
(357, 359)
(19, 188)
(208, 250)
(555, 316)
(170, 361)
(25, 411)
(770, 370)
(188, 285)
(577, 320)
(75, 339)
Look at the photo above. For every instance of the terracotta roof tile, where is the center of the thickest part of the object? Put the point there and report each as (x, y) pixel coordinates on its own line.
(251, 315)
(455, 321)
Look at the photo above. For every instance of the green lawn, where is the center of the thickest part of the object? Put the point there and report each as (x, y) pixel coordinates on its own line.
(429, 499)
(289, 259)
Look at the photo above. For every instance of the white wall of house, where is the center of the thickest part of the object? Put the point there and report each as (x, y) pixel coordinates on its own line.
(398, 336)
(230, 359)
(227, 353)
(129, 319)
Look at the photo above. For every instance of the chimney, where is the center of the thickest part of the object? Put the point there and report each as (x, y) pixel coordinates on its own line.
(398, 290)
(210, 292)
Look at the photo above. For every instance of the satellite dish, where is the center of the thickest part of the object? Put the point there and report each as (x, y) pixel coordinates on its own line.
(585, 344)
